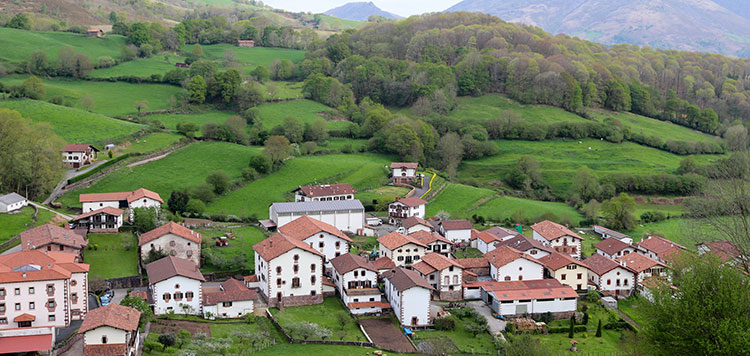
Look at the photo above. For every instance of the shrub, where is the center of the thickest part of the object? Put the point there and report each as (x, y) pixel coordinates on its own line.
(510, 328)
(565, 329)
(652, 217)
(167, 340)
(599, 329)
(445, 323)
(593, 296)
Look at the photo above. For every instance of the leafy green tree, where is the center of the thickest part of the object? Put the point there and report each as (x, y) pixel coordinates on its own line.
(586, 185)
(203, 192)
(195, 206)
(688, 165)
(205, 69)
(140, 305)
(294, 129)
(450, 151)
(178, 201)
(139, 34)
(188, 128)
(20, 21)
(197, 51)
(619, 210)
(225, 85)
(316, 131)
(248, 96)
(39, 64)
(197, 90)
(220, 181)
(145, 219)
(403, 140)
(127, 53)
(261, 74)
(277, 149)
(113, 17)
(33, 88)
(618, 95)
(261, 163)
(167, 340)
(571, 332)
(250, 33)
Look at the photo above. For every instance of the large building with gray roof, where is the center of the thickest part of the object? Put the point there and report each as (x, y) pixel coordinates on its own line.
(345, 215)
(11, 202)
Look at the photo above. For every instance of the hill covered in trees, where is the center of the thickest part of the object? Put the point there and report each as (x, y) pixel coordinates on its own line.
(360, 11)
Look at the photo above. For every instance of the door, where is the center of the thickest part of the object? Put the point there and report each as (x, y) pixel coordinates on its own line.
(414, 321)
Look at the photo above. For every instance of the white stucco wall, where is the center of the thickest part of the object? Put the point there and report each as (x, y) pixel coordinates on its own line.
(520, 269)
(144, 203)
(114, 336)
(572, 278)
(329, 247)
(418, 227)
(415, 302)
(183, 248)
(168, 286)
(13, 207)
(410, 172)
(617, 274)
(537, 306)
(399, 255)
(39, 298)
(235, 310)
(458, 235)
(344, 220)
(619, 254)
(91, 206)
(268, 270)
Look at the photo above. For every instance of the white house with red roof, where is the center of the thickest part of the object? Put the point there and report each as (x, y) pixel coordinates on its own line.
(614, 248)
(413, 224)
(409, 295)
(110, 330)
(528, 246)
(610, 277)
(404, 172)
(643, 266)
(659, 248)
(174, 240)
(403, 250)
(404, 208)
(323, 237)
(559, 237)
(725, 251)
(444, 274)
(104, 220)
(77, 155)
(485, 241)
(509, 264)
(458, 231)
(325, 192)
(356, 280)
(517, 298)
(175, 285)
(230, 299)
(141, 198)
(49, 237)
(434, 241)
(345, 215)
(289, 271)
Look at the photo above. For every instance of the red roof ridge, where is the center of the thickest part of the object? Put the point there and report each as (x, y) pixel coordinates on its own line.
(170, 228)
(304, 227)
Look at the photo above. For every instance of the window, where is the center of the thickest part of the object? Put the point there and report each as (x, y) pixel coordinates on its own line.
(17, 291)
(74, 297)
(562, 276)
(18, 306)
(296, 258)
(176, 286)
(189, 296)
(313, 293)
(278, 282)
(74, 283)
(31, 290)
(312, 267)
(189, 253)
(609, 282)
(416, 257)
(295, 268)
(51, 303)
(532, 252)
(450, 269)
(172, 253)
(51, 317)
(520, 277)
(625, 282)
(455, 279)
(295, 282)
(338, 245)
(226, 304)
(2, 292)
(166, 297)
(178, 296)
(321, 244)
(3, 321)
(579, 276)
(507, 278)
(432, 277)
(312, 280)
(573, 266)
(2, 308)
(278, 270)
(49, 247)
(356, 274)
(400, 258)
(32, 306)
(62, 248)
(447, 280)
(520, 268)
(104, 339)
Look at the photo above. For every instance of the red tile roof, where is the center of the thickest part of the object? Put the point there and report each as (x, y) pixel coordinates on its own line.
(279, 244)
(76, 147)
(724, 250)
(36, 265)
(305, 227)
(348, 262)
(327, 189)
(369, 305)
(410, 165)
(414, 221)
(638, 262)
(439, 261)
(551, 231)
(536, 289)
(600, 264)
(660, 246)
(170, 228)
(383, 263)
(51, 234)
(328, 282)
(395, 240)
(555, 261)
(456, 225)
(503, 255)
(479, 262)
(232, 290)
(113, 315)
(611, 246)
(411, 201)
(106, 210)
(403, 279)
(501, 231)
(487, 237)
(171, 266)
(144, 193)
(120, 196)
(28, 343)
(523, 243)
(24, 317)
(105, 350)
(429, 237)
(251, 278)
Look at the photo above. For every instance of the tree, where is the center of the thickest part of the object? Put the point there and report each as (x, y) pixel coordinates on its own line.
(167, 340)
(81, 66)
(127, 53)
(475, 328)
(145, 219)
(33, 88)
(619, 210)
(141, 105)
(87, 102)
(403, 140)
(195, 206)
(277, 149)
(261, 164)
(224, 85)
(524, 345)
(140, 305)
(571, 332)
(736, 137)
(178, 201)
(219, 181)
(248, 96)
(316, 131)
(113, 17)
(586, 185)
(197, 51)
(188, 128)
(294, 129)
(688, 165)
(20, 21)
(261, 73)
(197, 89)
(183, 338)
(450, 150)
(599, 329)
(39, 64)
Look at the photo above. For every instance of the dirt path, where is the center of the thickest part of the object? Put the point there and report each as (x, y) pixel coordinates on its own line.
(156, 158)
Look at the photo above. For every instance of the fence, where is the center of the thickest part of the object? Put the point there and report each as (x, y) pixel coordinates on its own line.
(64, 346)
(125, 282)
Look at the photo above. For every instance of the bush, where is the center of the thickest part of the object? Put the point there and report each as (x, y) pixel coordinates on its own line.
(652, 217)
(445, 323)
(510, 328)
(565, 329)
(593, 296)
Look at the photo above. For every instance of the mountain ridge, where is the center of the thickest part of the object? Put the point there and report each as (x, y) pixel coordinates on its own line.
(360, 11)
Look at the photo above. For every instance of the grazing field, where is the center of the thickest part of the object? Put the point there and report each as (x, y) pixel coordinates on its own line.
(115, 255)
(284, 90)
(182, 169)
(141, 67)
(108, 98)
(248, 57)
(325, 316)
(241, 247)
(198, 118)
(272, 115)
(362, 171)
(682, 231)
(150, 143)
(23, 43)
(72, 125)
(654, 127)
(13, 224)
(457, 199)
(464, 341)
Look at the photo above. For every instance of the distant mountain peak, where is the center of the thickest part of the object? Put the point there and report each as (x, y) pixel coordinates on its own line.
(360, 11)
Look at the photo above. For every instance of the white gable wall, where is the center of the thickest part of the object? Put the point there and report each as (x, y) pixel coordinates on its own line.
(520, 269)
(169, 285)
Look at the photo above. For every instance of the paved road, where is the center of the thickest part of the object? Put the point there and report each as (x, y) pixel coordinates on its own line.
(64, 216)
(496, 325)
(425, 185)
(71, 173)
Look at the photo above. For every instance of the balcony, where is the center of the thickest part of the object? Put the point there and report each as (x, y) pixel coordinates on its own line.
(361, 291)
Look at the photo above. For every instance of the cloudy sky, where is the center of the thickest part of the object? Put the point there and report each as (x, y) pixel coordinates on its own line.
(398, 7)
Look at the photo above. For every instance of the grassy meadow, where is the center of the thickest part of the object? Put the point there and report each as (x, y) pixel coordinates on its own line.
(72, 125)
(140, 67)
(323, 315)
(654, 127)
(24, 43)
(199, 118)
(248, 57)
(14, 224)
(116, 255)
(272, 115)
(150, 143)
(246, 237)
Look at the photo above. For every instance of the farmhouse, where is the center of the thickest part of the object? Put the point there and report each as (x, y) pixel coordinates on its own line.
(328, 192)
(659, 248)
(725, 251)
(403, 250)
(509, 264)
(356, 280)
(95, 32)
(383, 264)
(53, 238)
(458, 231)
(245, 43)
(413, 224)
(345, 215)
(12, 202)
(559, 237)
(77, 155)
(409, 296)
(402, 209)
(518, 298)
(181, 65)
(403, 172)
(174, 240)
(104, 220)
(289, 270)
(643, 266)
(325, 238)
(502, 232)
(141, 198)
(610, 277)
(478, 266)
(528, 246)
(175, 286)
(614, 248)
(110, 330)
(568, 270)
(434, 242)
(443, 274)
(607, 233)
(231, 299)
(486, 242)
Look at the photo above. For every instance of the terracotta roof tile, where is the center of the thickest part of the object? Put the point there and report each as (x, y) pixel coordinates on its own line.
(410, 165)
(326, 189)
(36, 265)
(48, 234)
(105, 350)
(523, 243)
(170, 228)
(456, 225)
(439, 261)
(427, 238)
(348, 262)
(231, 290)
(487, 237)
(414, 221)
(251, 278)
(660, 246)
(600, 264)
(403, 279)
(550, 230)
(327, 281)
(305, 226)
(120, 196)
(479, 262)
(382, 305)
(278, 244)
(77, 147)
(395, 240)
(113, 315)
(536, 289)
(638, 262)
(611, 246)
(171, 266)
(503, 255)
(555, 261)
(501, 232)
(105, 210)
(423, 268)
(383, 263)
(724, 250)
(411, 201)
(24, 317)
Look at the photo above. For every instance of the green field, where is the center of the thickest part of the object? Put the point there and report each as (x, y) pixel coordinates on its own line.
(109, 98)
(72, 125)
(246, 237)
(654, 127)
(610, 342)
(150, 143)
(678, 230)
(273, 115)
(14, 224)
(461, 338)
(198, 118)
(23, 43)
(248, 57)
(141, 67)
(324, 315)
(362, 171)
(182, 169)
(111, 259)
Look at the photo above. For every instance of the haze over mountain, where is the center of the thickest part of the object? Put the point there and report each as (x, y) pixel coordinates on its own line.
(721, 26)
(360, 11)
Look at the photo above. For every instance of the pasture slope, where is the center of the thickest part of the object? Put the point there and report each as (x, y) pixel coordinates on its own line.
(140, 67)
(273, 114)
(24, 43)
(248, 57)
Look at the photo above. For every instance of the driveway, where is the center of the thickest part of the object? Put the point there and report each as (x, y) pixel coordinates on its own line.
(386, 336)
(496, 325)
(66, 217)
(71, 173)
(63, 333)
(419, 192)
(121, 293)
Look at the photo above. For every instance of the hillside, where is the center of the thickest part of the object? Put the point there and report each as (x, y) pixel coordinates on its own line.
(359, 11)
(698, 25)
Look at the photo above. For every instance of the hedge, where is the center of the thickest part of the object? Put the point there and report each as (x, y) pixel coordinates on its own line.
(98, 169)
(565, 329)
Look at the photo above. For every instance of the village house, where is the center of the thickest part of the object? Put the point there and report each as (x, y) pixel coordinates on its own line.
(54, 238)
(404, 172)
(327, 192)
(245, 43)
(659, 248)
(39, 292)
(502, 233)
(519, 298)
(568, 270)
(382, 265)
(528, 246)
(725, 251)
(610, 277)
(559, 237)
(95, 32)
(402, 249)
(104, 220)
(434, 241)
(413, 224)
(345, 215)
(445, 275)
(172, 239)
(175, 286)
(478, 266)
(78, 155)
(404, 208)
(230, 299)
(111, 330)
(289, 270)
(458, 231)
(12, 202)
(325, 238)
(409, 296)
(356, 280)
(509, 264)
(643, 266)
(485, 241)
(141, 198)
(607, 233)
(614, 248)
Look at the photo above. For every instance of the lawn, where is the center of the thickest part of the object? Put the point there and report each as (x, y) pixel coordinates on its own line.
(634, 308)
(374, 195)
(589, 343)
(362, 171)
(14, 224)
(457, 199)
(112, 259)
(73, 125)
(241, 247)
(342, 144)
(141, 67)
(464, 341)
(183, 169)
(363, 244)
(248, 57)
(504, 207)
(151, 143)
(272, 115)
(284, 90)
(111, 99)
(19, 44)
(325, 315)
(467, 253)
(671, 210)
(677, 230)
